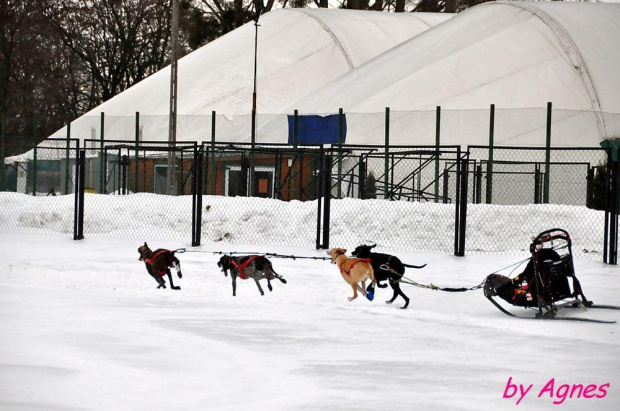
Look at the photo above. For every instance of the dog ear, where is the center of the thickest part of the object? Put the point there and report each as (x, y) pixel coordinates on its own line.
(373, 246)
(344, 250)
(145, 244)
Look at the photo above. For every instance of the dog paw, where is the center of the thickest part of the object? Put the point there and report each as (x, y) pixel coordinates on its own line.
(388, 302)
(176, 288)
(180, 275)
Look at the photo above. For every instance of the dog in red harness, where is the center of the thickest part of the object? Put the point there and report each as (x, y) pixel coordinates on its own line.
(354, 271)
(158, 264)
(245, 267)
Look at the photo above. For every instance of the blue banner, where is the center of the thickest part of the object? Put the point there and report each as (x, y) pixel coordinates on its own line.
(313, 129)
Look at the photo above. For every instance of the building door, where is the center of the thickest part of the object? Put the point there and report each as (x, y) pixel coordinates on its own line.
(236, 184)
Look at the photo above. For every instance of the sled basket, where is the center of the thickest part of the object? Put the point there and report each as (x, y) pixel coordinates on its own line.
(545, 279)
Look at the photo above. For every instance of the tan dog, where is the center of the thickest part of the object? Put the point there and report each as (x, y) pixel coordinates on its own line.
(354, 271)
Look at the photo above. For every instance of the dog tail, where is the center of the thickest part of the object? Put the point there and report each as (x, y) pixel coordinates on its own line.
(415, 266)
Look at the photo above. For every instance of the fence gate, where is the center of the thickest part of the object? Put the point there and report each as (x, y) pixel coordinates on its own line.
(406, 191)
(110, 169)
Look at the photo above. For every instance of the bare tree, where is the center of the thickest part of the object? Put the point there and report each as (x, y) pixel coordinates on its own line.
(120, 42)
(33, 72)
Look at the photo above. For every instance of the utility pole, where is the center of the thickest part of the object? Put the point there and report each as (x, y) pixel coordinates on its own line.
(172, 129)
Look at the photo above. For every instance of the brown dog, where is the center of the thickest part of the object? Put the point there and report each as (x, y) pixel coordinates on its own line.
(256, 267)
(354, 271)
(158, 264)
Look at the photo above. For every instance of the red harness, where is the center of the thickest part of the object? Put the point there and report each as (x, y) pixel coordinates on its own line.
(154, 257)
(359, 260)
(241, 267)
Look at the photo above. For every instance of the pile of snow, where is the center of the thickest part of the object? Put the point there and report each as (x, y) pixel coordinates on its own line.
(394, 225)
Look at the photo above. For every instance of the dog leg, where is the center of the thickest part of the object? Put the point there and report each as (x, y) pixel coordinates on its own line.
(398, 291)
(390, 301)
(176, 264)
(259, 287)
(169, 274)
(269, 285)
(354, 286)
(361, 290)
(160, 281)
(278, 276)
(234, 284)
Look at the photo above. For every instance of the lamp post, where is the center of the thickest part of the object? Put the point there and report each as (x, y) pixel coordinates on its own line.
(259, 9)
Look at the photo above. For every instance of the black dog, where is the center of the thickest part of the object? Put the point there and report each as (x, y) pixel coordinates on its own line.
(158, 264)
(386, 267)
(256, 267)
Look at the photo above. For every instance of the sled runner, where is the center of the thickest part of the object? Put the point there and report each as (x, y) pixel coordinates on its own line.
(544, 284)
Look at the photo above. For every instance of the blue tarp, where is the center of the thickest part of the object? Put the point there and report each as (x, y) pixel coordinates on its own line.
(313, 129)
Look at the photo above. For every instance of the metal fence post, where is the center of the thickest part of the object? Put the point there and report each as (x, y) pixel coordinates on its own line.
(612, 204)
(340, 139)
(78, 217)
(386, 177)
(34, 144)
(489, 196)
(547, 156)
(537, 184)
(463, 206)
(319, 198)
(457, 202)
(212, 156)
(615, 181)
(197, 196)
(478, 184)
(293, 185)
(362, 179)
(136, 171)
(67, 154)
(327, 187)
(102, 157)
(437, 149)
(460, 223)
(2, 140)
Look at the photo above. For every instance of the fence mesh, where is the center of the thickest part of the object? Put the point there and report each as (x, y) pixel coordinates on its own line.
(124, 179)
(278, 202)
(404, 198)
(520, 184)
(42, 183)
(408, 195)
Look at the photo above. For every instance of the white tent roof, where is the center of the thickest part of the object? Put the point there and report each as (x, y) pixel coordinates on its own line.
(516, 55)
(299, 50)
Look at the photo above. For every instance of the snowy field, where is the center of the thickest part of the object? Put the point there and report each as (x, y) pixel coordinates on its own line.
(83, 328)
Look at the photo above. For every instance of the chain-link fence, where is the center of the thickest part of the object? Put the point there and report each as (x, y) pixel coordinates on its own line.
(40, 184)
(127, 184)
(536, 188)
(401, 198)
(423, 198)
(276, 202)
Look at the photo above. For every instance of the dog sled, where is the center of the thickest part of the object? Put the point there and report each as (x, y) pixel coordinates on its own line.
(548, 285)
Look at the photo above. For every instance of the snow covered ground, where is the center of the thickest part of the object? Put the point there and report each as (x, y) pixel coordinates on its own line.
(83, 328)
